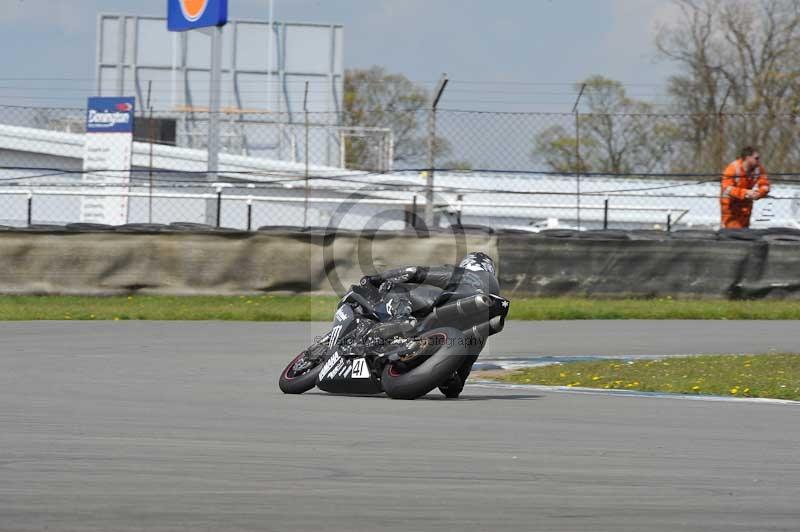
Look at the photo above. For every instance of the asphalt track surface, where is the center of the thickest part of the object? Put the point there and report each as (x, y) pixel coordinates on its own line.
(181, 426)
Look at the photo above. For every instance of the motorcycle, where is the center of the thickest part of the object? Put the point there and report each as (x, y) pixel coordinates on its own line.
(370, 351)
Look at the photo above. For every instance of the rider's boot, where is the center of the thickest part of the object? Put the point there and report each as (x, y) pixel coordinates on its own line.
(452, 387)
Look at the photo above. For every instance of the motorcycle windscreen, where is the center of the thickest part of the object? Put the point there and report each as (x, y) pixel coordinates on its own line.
(347, 375)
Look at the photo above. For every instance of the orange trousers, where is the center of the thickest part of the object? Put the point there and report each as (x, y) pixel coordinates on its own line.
(735, 213)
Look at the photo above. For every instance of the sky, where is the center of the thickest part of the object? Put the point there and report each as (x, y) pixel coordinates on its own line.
(504, 55)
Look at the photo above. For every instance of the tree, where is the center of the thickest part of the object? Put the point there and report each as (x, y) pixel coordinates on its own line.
(616, 135)
(741, 57)
(374, 98)
(558, 148)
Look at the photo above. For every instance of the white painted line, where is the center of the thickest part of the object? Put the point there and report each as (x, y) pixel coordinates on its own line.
(631, 393)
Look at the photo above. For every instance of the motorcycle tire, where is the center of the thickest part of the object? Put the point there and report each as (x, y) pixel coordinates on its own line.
(294, 381)
(443, 351)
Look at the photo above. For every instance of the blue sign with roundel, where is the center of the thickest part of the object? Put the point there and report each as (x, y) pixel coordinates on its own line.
(183, 15)
(110, 115)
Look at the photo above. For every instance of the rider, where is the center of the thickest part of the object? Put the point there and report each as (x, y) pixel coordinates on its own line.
(475, 274)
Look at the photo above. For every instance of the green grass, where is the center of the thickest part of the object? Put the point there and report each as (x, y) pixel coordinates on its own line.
(775, 376)
(305, 308)
(652, 309)
(230, 308)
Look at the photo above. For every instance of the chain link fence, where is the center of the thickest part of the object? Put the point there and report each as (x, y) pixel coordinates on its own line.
(526, 171)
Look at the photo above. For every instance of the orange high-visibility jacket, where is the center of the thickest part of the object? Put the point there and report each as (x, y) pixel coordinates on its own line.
(734, 207)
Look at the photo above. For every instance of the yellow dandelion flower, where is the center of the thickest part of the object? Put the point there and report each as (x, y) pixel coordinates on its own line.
(734, 390)
(695, 388)
(562, 374)
(596, 378)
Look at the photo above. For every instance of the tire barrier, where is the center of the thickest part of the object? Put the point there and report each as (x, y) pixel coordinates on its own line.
(192, 259)
(683, 264)
(181, 260)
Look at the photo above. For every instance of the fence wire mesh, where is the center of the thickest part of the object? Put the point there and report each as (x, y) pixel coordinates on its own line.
(504, 170)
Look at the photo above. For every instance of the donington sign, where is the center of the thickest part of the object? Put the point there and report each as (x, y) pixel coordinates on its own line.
(107, 160)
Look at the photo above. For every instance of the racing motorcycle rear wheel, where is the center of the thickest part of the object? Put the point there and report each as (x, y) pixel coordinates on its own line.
(438, 354)
(301, 373)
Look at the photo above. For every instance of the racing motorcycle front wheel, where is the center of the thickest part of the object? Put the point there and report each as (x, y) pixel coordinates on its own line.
(301, 373)
(434, 357)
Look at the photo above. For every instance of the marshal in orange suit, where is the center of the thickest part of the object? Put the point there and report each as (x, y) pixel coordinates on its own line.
(743, 182)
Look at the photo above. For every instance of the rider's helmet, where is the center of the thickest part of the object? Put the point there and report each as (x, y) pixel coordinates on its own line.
(478, 261)
(479, 273)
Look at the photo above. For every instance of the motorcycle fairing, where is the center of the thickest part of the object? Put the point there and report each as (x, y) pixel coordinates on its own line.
(342, 374)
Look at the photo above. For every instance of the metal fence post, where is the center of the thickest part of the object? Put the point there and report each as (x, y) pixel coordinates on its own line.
(250, 209)
(219, 205)
(414, 212)
(431, 150)
(305, 113)
(30, 208)
(605, 213)
(578, 164)
(215, 80)
(721, 131)
(151, 135)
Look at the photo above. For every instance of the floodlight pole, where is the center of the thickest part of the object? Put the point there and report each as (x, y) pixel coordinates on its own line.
(431, 148)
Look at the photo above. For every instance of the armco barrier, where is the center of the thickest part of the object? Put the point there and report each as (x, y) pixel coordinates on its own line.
(691, 264)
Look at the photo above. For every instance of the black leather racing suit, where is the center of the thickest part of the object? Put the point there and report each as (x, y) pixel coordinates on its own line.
(422, 285)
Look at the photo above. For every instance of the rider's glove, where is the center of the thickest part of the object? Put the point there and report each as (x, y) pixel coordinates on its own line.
(408, 274)
(374, 280)
(385, 287)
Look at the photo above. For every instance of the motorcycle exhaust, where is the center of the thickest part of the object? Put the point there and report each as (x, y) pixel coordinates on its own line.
(462, 312)
(485, 329)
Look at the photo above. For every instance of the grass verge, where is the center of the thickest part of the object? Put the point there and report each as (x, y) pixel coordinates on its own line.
(320, 308)
(233, 308)
(775, 376)
(653, 309)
